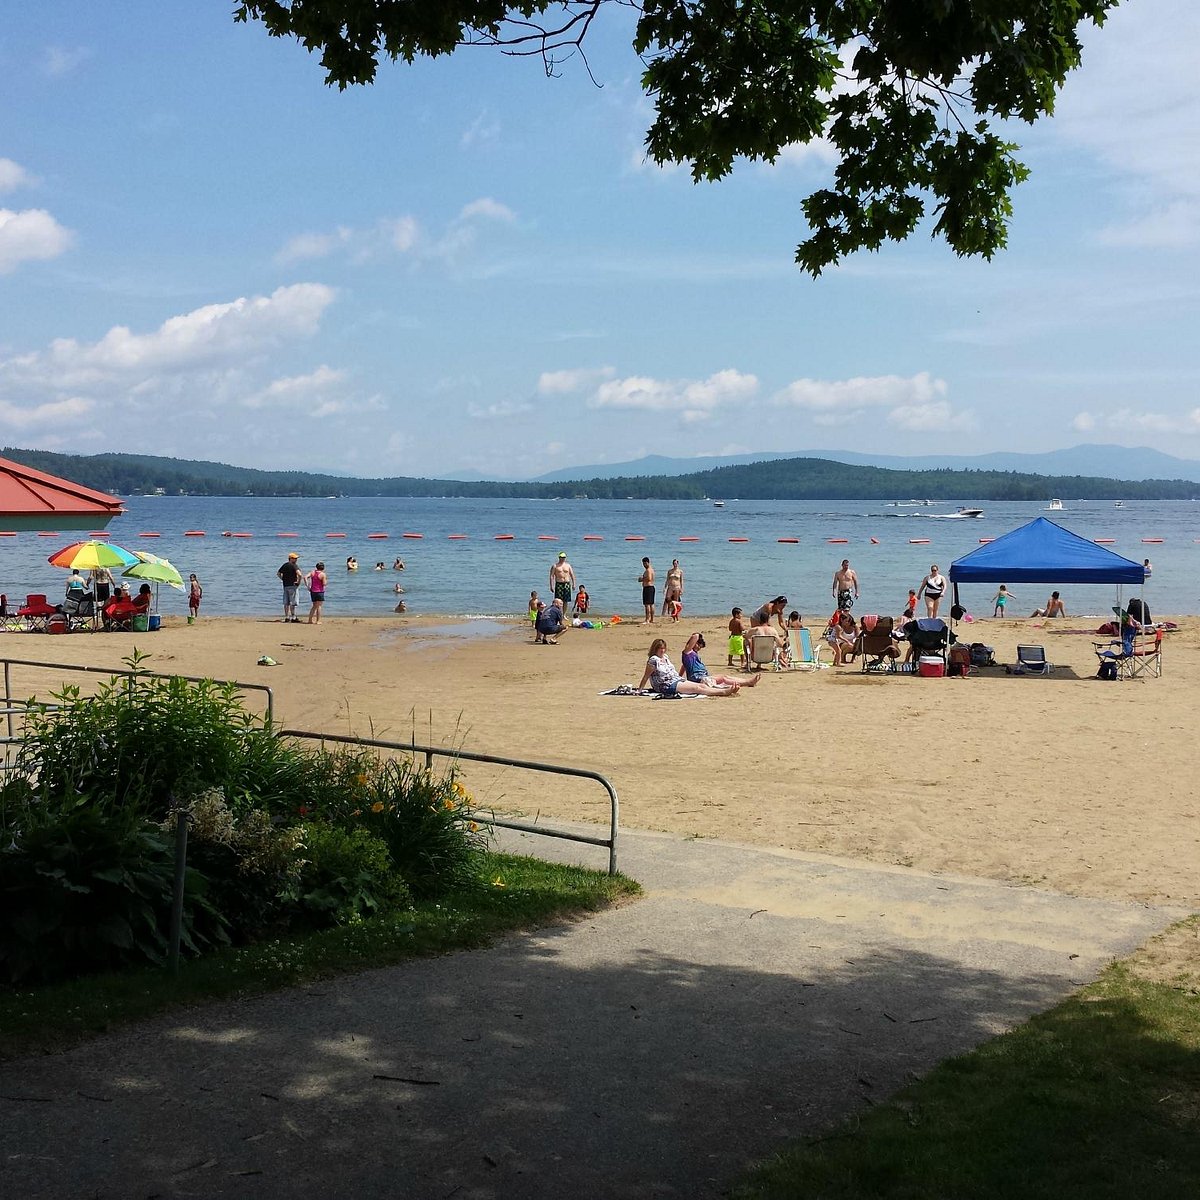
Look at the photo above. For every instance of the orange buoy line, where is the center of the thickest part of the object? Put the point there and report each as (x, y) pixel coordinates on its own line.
(592, 537)
(287, 533)
(6, 533)
(199, 533)
(689, 539)
(739, 539)
(918, 541)
(149, 534)
(376, 537)
(789, 541)
(241, 535)
(547, 537)
(51, 533)
(335, 535)
(635, 537)
(1153, 541)
(874, 541)
(456, 537)
(837, 541)
(1104, 541)
(985, 541)
(504, 537)
(413, 536)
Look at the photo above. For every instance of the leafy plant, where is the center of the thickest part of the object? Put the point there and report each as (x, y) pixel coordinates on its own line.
(81, 892)
(347, 875)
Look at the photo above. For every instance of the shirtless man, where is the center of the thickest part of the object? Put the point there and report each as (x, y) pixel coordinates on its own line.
(1054, 607)
(673, 588)
(646, 579)
(562, 579)
(845, 586)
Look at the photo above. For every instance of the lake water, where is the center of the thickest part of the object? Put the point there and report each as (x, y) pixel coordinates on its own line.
(478, 575)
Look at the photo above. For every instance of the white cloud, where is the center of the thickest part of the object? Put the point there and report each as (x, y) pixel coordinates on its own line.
(561, 383)
(501, 410)
(488, 209)
(295, 389)
(854, 395)
(484, 130)
(62, 60)
(1084, 422)
(1126, 420)
(13, 176)
(54, 412)
(934, 417)
(29, 236)
(224, 336)
(314, 245)
(1135, 106)
(694, 399)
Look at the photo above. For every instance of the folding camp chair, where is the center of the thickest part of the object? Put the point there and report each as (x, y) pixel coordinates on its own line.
(763, 650)
(1031, 660)
(1136, 655)
(804, 656)
(877, 647)
(36, 612)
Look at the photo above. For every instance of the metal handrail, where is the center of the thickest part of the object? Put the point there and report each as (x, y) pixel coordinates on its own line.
(500, 760)
(9, 711)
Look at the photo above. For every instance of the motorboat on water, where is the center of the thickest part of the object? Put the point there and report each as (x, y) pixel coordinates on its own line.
(718, 504)
(1054, 506)
(1119, 504)
(971, 512)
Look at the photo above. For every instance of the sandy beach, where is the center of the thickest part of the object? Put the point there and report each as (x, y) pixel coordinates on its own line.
(1063, 782)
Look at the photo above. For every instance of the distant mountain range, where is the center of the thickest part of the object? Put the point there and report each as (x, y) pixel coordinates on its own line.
(777, 479)
(1110, 462)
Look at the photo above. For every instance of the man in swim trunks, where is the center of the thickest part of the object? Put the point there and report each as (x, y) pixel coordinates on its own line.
(289, 576)
(646, 579)
(673, 587)
(845, 586)
(562, 579)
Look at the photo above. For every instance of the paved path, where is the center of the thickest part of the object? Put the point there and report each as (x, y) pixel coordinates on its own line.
(651, 1051)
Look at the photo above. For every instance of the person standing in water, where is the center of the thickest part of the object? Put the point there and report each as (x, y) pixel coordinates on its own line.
(562, 580)
(646, 579)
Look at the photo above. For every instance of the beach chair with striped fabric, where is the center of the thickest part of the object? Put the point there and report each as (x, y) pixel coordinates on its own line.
(804, 655)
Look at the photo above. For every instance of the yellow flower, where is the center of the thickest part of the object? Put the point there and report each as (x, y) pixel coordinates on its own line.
(377, 806)
(447, 803)
(361, 780)
(472, 826)
(498, 882)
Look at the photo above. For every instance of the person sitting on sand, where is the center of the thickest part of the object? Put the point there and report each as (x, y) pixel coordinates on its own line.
(661, 677)
(841, 636)
(762, 627)
(550, 622)
(1054, 608)
(696, 672)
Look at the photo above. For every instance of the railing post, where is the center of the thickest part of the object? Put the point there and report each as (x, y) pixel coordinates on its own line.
(183, 819)
(8, 696)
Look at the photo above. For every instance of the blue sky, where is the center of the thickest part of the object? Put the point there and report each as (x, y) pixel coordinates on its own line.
(206, 253)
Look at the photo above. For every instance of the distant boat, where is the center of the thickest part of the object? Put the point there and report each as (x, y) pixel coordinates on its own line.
(1054, 506)
(718, 504)
(974, 512)
(1119, 504)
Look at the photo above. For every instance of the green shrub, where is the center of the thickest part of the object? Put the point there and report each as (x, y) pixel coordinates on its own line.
(82, 892)
(140, 741)
(252, 863)
(347, 875)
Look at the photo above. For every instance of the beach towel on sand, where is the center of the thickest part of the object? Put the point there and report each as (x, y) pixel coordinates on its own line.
(626, 689)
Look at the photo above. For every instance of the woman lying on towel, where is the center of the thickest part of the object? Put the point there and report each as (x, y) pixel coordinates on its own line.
(695, 671)
(661, 677)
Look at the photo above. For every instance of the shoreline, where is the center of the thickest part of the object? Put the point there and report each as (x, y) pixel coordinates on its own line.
(1064, 782)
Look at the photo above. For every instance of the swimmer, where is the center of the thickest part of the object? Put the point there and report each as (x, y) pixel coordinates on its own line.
(380, 567)
(398, 565)
(352, 563)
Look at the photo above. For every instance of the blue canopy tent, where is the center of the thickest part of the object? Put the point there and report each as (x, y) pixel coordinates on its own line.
(1043, 552)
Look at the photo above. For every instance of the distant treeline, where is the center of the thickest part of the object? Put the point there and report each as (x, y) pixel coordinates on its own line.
(782, 479)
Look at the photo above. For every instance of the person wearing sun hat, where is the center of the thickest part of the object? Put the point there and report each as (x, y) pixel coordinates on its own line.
(562, 579)
(290, 575)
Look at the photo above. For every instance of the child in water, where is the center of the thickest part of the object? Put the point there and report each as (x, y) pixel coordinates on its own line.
(1000, 599)
(582, 601)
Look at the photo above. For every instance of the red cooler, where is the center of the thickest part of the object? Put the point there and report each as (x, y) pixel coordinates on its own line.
(930, 666)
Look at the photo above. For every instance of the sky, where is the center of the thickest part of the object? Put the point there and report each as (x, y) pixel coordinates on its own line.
(469, 267)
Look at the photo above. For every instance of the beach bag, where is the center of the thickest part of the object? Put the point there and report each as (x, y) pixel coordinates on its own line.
(982, 656)
(958, 661)
(1108, 670)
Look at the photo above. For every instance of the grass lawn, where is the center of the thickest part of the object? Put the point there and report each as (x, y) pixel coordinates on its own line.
(517, 893)
(1098, 1099)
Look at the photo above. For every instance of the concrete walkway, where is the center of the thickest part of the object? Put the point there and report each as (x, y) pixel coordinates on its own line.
(652, 1051)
